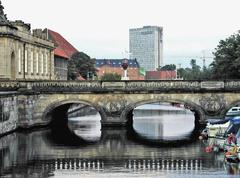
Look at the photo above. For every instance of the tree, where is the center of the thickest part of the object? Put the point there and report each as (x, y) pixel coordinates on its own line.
(81, 64)
(226, 64)
(171, 67)
(206, 73)
(195, 72)
(111, 76)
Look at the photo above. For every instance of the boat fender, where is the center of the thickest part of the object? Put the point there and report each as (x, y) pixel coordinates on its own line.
(232, 139)
(209, 149)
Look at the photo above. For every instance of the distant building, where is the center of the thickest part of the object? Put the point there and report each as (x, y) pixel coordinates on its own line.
(161, 75)
(146, 45)
(62, 53)
(115, 66)
(24, 54)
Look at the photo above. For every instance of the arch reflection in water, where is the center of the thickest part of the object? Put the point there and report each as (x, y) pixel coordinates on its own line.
(163, 121)
(23, 155)
(84, 121)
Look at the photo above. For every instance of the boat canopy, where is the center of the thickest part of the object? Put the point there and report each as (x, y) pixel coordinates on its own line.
(235, 120)
(233, 128)
(219, 121)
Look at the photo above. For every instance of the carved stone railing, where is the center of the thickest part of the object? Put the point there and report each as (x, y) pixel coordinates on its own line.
(163, 85)
(232, 85)
(9, 86)
(52, 86)
(118, 86)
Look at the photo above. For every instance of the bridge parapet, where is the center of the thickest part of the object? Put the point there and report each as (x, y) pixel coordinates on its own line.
(126, 86)
(9, 85)
(163, 85)
(65, 86)
(232, 85)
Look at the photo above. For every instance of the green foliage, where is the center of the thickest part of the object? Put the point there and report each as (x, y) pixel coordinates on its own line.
(206, 73)
(81, 64)
(195, 72)
(170, 67)
(111, 76)
(226, 64)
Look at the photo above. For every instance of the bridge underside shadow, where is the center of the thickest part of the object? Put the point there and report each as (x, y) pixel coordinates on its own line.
(60, 132)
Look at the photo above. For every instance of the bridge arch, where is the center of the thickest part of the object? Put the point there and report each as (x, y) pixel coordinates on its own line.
(196, 109)
(64, 106)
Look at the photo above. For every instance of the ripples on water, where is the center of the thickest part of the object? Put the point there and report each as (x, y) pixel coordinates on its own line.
(85, 150)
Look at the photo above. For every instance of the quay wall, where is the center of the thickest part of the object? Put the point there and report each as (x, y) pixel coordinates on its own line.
(8, 112)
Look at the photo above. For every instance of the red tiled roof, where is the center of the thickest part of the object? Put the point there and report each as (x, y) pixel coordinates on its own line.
(59, 52)
(63, 47)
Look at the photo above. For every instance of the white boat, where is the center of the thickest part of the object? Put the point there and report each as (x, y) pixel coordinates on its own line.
(234, 111)
(216, 129)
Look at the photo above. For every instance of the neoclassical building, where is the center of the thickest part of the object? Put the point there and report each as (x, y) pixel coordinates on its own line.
(24, 54)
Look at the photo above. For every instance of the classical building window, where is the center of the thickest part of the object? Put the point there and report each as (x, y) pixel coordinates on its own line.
(19, 61)
(26, 61)
(46, 63)
(31, 62)
(37, 63)
(42, 64)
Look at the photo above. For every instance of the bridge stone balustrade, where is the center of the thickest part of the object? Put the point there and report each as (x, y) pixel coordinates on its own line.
(101, 86)
(114, 100)
(9, 86)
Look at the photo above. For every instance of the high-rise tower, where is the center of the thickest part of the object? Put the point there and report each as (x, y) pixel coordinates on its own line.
(146, 45)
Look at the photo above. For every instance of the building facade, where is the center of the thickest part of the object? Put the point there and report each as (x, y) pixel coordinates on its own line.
(104, 66)
(24, 54)
(161, 75)
(146, 45)
(62, 54)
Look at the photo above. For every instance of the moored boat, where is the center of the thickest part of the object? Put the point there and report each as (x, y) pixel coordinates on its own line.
(234, 111)
(232, 147)
(220, 140)
(215, 128)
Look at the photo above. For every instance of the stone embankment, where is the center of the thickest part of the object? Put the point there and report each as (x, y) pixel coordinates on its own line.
(8, 112)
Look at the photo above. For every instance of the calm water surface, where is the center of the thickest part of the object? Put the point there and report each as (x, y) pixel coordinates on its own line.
(158, 145)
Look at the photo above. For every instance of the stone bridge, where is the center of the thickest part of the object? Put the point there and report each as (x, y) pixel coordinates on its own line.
(37, 101)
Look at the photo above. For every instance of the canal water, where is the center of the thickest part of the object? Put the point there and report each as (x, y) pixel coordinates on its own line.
(159, 144)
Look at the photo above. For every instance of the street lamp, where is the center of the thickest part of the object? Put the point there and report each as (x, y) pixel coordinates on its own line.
(125, 66)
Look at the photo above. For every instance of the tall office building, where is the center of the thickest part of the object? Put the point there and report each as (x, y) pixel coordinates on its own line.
(146, 45)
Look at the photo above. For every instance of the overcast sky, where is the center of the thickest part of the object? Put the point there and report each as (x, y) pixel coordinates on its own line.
(100, 28)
